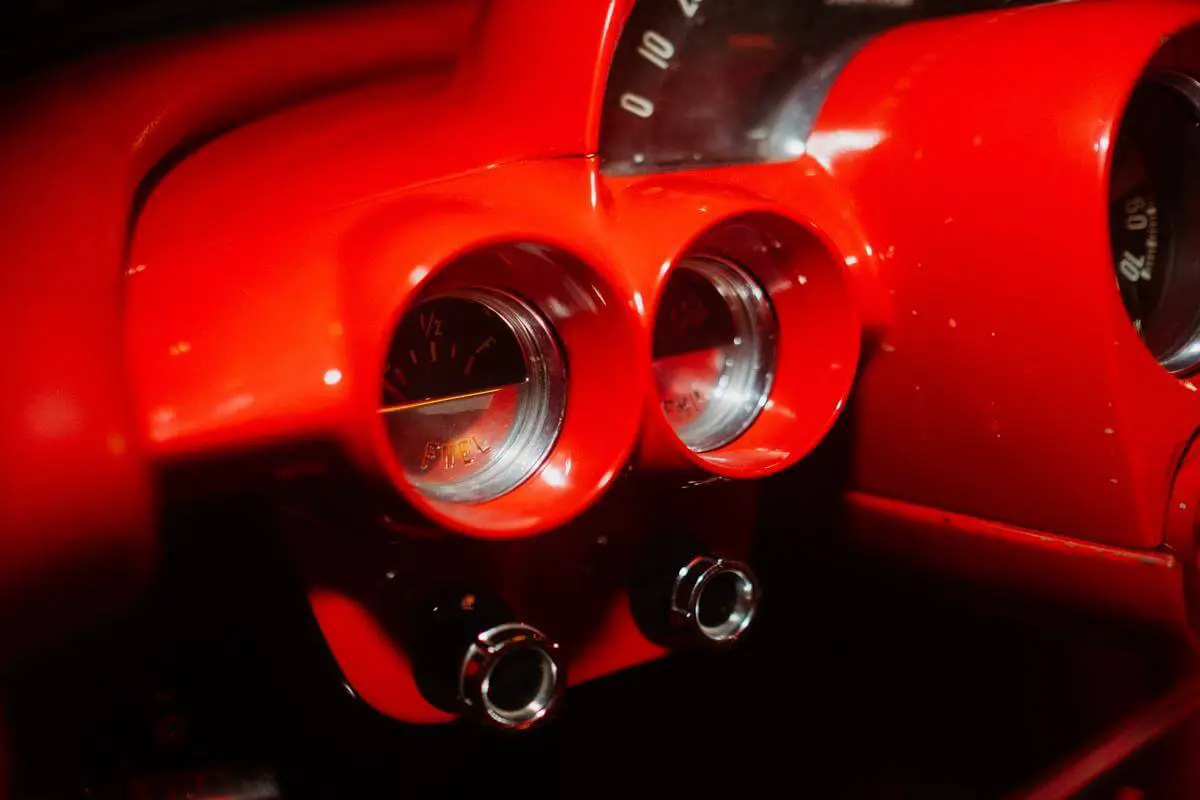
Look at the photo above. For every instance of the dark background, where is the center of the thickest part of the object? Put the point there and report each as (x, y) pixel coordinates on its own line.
(859, 681)
(35, 34)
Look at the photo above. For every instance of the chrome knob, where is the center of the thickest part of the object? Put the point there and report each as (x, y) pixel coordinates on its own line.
(511, 676)
(471, 657)
(714, 600)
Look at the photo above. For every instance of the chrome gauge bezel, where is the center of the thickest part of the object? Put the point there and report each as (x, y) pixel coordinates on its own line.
(744, 384)
(541, 404)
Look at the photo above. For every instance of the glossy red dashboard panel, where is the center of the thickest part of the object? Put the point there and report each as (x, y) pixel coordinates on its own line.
(78, 504)
(363, 262)
(334, 215)
(1007, 363)
(944, 246)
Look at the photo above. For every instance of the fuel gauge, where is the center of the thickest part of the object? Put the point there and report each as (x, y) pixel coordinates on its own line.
(474, 392)
(714, 351)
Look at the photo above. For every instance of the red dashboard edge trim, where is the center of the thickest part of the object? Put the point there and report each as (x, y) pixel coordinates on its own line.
(1140, 585)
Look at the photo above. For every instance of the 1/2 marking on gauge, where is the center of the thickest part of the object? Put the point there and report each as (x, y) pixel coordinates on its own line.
(430, 324)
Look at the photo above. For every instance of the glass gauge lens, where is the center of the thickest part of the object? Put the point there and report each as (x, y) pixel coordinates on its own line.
(473, 394)
(728, 81)
(1154, 193)
(1138, 234)
(714, 352)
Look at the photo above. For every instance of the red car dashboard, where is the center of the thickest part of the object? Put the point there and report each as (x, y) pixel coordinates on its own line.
(508, 309)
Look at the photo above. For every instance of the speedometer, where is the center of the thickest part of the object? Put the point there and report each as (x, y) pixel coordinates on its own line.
(728, 81)
(1154, 196)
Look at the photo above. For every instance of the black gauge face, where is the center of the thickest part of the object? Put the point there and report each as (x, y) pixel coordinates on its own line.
(1155, 189)
(472, 394)
(1139, 234)
(727, 81)
(692, 316)
(448, 347)
(714, 352)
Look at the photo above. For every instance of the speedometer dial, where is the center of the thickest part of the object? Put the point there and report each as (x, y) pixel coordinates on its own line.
(1154, 196)
(725, 81)
(473, 394)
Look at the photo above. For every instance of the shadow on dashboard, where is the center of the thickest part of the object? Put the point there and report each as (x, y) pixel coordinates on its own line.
(856, 683)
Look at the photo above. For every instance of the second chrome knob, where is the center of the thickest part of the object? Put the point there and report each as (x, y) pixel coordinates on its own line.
(714, 600)
(683, 599)
(476, 660)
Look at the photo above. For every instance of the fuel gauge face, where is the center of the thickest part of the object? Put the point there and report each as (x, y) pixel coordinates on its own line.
(714, 352)
(473, 394)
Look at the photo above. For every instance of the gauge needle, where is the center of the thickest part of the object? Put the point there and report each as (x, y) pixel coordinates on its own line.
(446, 399)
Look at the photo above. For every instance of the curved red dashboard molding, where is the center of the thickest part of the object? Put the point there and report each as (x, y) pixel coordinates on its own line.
(362, 265)
(818, 340)
(436, 250)
(499, 105)
(322, 292)
(1111, 582)
(75, 489)
(1008, 384)
(731, 214)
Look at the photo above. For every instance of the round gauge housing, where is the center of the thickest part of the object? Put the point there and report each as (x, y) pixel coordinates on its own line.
(1154, 198)
(474, 394)
(714, 351)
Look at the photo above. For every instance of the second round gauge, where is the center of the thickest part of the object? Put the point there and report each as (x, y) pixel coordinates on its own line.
(474, 394)
(1154, 195)
(714, 352)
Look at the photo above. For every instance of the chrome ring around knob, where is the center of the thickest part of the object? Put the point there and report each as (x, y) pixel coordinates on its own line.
(511, 676)
(714, 599)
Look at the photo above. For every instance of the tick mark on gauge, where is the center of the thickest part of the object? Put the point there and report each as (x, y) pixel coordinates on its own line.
(470, 363)
(488, 342)
(453, 349)
(413, 355)
(433, 351)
